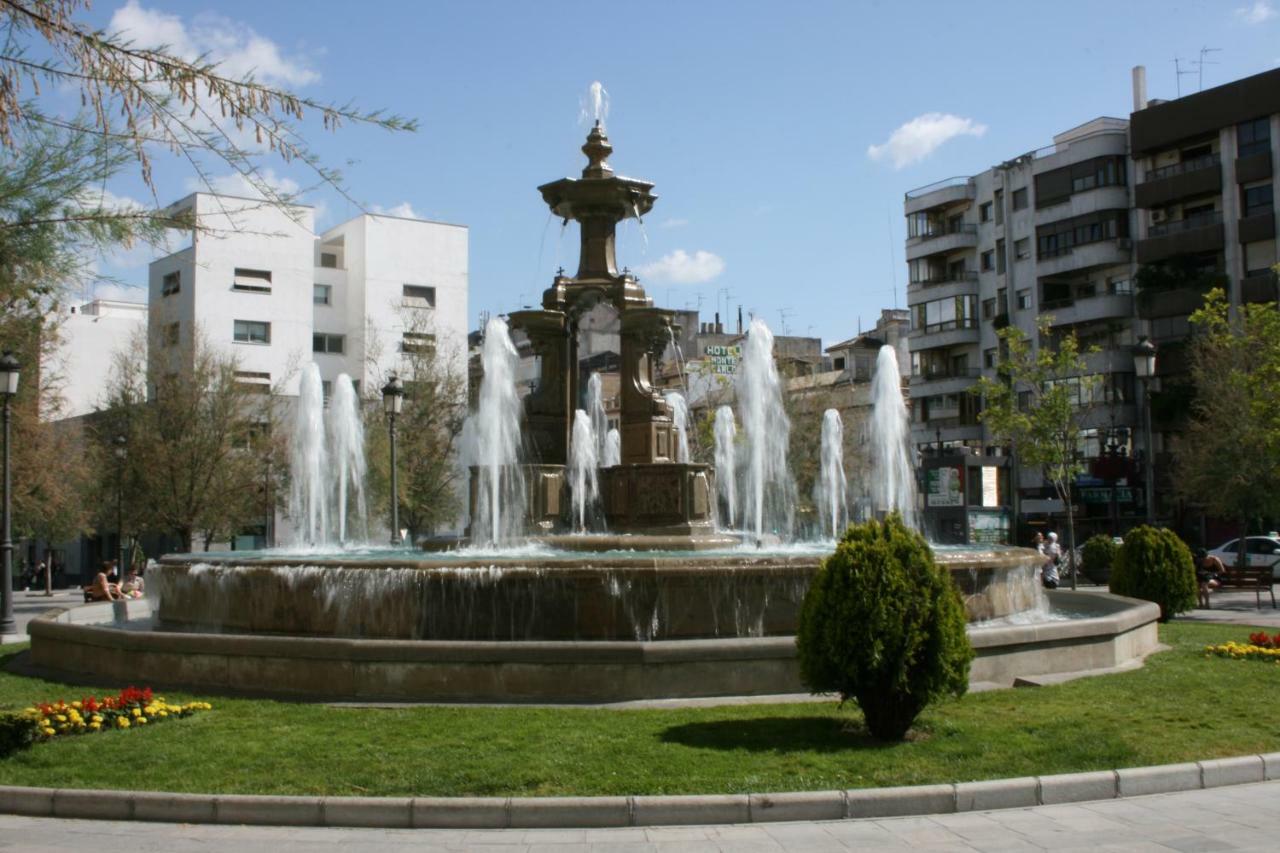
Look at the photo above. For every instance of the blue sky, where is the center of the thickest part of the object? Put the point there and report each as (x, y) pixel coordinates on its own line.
(768, 128)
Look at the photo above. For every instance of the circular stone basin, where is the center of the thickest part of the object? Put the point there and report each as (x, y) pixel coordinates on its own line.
(546, 596)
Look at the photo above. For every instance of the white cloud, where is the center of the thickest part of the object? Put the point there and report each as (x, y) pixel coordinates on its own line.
(234, 183)
(1260, 11)
(119, 291)
(403, 209)
(234, 46)
(673, 223)
(679, 267)
(921, 136)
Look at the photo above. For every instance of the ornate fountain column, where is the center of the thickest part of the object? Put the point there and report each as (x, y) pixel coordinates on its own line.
(647, 433)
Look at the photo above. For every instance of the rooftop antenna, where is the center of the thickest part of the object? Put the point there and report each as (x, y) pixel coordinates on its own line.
(783, 314)
(1178, 72)
(1202, 62)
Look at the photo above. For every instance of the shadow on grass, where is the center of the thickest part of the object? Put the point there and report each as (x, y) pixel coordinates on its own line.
(777, 734)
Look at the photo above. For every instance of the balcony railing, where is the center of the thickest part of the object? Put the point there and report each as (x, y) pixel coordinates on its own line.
(931, 374)
(1208, 161)
(947, 278)
(951, 325)
(947, 231)
(1190, 223)
(958, 181)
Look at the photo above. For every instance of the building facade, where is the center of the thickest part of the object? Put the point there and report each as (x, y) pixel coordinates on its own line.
(89, 338)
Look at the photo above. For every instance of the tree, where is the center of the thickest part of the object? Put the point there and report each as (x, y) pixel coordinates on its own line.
(1036, 404)
(1228, 458)
(429, 479)
(199, 442)
(147, 96)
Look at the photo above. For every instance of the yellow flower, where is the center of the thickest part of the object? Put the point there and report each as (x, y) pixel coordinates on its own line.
(122, 722)
(48, 731)
(95, 725)
(142, 721)
(137, 712)
(62, 718)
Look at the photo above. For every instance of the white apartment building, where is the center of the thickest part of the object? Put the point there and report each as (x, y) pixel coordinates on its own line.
(89, 338)
(258, 281)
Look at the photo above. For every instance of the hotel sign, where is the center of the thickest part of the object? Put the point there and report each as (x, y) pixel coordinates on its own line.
(721, 359)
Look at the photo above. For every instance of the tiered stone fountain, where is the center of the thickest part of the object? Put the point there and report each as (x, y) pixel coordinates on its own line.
(663, 606)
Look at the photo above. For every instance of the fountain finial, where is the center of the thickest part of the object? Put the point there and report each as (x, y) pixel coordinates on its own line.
(597, 149)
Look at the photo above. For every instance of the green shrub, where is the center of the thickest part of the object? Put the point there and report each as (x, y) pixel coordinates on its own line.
(16, 732)
(1155, 565)
(1097, 557)
(883, 625)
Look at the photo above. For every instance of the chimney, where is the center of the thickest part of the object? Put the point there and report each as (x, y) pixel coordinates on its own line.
(1139, 88)
(718, 328)
(739, 319)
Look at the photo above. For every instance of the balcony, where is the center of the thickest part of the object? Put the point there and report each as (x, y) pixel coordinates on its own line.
(945, 334)
(942, 241)
(920, 291)
(1158, 304)
(1259, 288)
(1200, 176)
(940, 194)
(1101, 306)
(968, 276)
(1260, 225)
(1192, 235)
(946, 380)
(1101, 253)
(1253, 167)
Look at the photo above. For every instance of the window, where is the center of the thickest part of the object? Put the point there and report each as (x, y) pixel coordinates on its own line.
(999, 204)
(1253, 137)
(1022, 248)
(943, 315)
(322, 294)
(984, 212)
(1059, 238)
(1000, 257)
(171, 283)
(1257, 199)
(417, 342)
(1024, 299)
(326, 343)
(1119, 286)
(171, 332)
(252, 332)
(253, 381)
(251, 281)
(988, 261)
(1259, 257)
(837, 363)
(988, 308)
(989, 357)
(419, 296)
(329, 260)
(326, 389)
(1019, 198)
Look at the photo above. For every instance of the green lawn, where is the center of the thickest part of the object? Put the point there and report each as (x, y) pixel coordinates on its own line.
(1180, 706)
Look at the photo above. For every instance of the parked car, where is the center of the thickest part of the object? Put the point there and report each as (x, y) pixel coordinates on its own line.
(1260, 551)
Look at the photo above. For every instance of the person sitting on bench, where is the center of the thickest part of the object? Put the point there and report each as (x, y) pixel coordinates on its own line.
(1209, 571)
(103, 587)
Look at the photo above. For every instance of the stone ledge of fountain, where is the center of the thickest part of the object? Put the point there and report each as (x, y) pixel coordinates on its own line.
(536, 671)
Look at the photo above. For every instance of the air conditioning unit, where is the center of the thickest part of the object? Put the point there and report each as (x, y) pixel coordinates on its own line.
(1158, 216)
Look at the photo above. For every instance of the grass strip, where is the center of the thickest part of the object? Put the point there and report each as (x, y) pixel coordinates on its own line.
(1181, 706)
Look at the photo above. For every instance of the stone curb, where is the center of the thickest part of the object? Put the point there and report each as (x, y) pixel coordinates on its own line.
(581, 812)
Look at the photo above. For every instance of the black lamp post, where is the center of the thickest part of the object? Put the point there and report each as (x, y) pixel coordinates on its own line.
(1144, 366)
(122, 453)
(9, 368)
(392, 400)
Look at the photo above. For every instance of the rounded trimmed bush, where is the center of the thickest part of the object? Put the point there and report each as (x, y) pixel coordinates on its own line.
(1155, 565)
(883, 625)
(1097, 557)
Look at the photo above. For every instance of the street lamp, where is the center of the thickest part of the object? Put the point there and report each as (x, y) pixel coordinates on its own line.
(1144, 366)
(8, 388)
(122, 452)
(392, 400)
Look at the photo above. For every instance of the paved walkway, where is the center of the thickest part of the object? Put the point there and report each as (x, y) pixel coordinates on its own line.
(1243, 817)
(28, 605)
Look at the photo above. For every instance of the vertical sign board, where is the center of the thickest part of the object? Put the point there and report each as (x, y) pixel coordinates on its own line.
(945, 486)
(990, 486)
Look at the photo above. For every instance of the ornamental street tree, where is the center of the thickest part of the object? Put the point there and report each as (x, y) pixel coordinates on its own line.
(1036, 404)
(1228, 458)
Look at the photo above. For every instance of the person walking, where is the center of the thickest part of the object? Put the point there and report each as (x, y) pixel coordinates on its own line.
(1052, 557)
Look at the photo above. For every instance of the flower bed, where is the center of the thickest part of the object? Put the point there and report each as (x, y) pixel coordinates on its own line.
(1261, 646)
(133, 707)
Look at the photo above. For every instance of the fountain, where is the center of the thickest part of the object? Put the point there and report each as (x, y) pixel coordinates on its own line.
(528, 608)
(831, 488)
(680, 422)
(893, 481)
(726, 435)
(346, 437)
(327, 466)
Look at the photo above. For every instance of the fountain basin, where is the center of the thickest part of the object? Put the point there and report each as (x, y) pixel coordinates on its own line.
(562, 596)
(124, 645)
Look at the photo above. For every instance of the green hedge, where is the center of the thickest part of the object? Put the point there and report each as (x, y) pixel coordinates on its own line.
(16, 732)
(1097, 557)
(883, 625)
(1155, 565)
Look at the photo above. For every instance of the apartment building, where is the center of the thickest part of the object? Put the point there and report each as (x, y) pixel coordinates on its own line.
(1043, 234)
(1204, 198)
(258, 281)
(89, 337)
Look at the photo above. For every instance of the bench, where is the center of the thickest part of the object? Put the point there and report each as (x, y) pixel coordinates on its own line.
(1254, 578)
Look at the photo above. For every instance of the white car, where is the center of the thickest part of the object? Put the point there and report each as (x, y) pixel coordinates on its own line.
(1260, 551)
